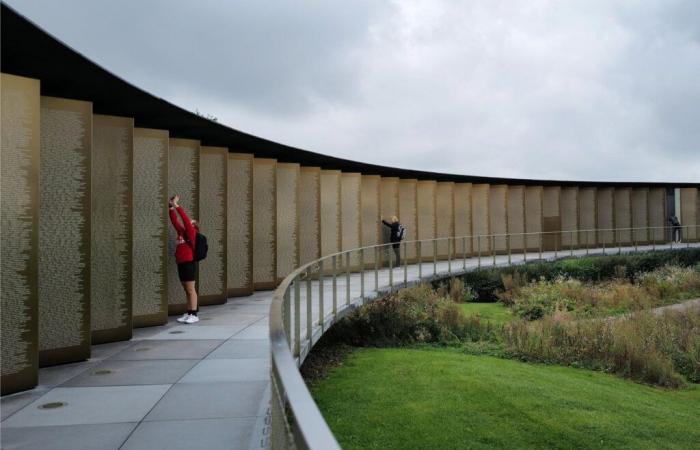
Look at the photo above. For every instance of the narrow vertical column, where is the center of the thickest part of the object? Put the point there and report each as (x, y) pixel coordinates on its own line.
(587, 216)
(426, 192)
(657, 214)
(239, 225)
(409, 214)
(498, 216)
(213, 172)
(551, 217)
(350, 214)
(480, 218)
(19, 230)
(111, 244)
(640, 215)
(330, 212)
(623, 215)
(689, 213)
(389, 206)
(150, 259)
(310, 214)
(287, 219)
(64, 231)
(569, 216)
(606, 218)
(370, 227)
(463, 218)
(264, 224)
(516, 217)
(183, 180)
(444, 217)
(533, 217)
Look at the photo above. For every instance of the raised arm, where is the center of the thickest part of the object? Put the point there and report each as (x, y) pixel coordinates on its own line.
(386, 223)
(190, 231)
(176, 223)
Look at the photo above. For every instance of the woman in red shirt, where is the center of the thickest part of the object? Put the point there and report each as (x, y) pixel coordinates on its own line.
(184, 257)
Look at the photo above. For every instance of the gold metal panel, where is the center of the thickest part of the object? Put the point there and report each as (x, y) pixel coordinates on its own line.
(533, 217)
(264, 224)
(409, 215)
(657, 214)
(111, 246)
(551, 217)
(150, 259)
(587, 216)
(287, 219)
(369, 199)
(516, 217)
(623, 215)
(605, 217)
(444, 217)
(498, 216)
(330, 212)
(19, 196)
(569, 217)
(213, 187)
(463, 217)
(689, 213)
(480, 218)
(183, 180)
(239, 218)
(310, 220)
(426, 226)
(64, 231)
(350, 213)
(389, 203)
(640, 215)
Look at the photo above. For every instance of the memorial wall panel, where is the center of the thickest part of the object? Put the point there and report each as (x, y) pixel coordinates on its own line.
(444, 218)
(330, 212)
(64, 231)
(183, 180)
(287, 219)
(640, 215)
(551, 217)
(350, 212)
(239, 218)
(150, 259)
(425, 204)
(408, 215)
(264, 224)
(370, 215)
(463, 217)
(569, 217)
(310, 220)
(587, 216)
(111, 220)
(213, 187)
(623, 215)
(480, 219)
(19, 230)
(533, 217)
(657, 214)
(689, 214)
(516, 217)
(388, 206)
(498, 216)
(605, 218)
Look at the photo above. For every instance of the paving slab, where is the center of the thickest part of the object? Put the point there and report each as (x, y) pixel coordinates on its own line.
(223, 370)
(254, 332)
(197, 331)
(209, 401)
(56, 375)
(192, 434)
(108, 436)
(10, 404)
(128, 373)
(89, 405)
(168, 349)
(242, 348)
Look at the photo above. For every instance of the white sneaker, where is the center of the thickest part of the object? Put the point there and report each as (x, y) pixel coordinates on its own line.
(191, 319)
(183, 318)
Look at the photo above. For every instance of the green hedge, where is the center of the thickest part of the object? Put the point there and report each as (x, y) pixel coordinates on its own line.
(487, 282)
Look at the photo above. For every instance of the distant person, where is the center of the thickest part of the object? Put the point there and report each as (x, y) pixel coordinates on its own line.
(397, 234)
(185, 257)
(675, 228)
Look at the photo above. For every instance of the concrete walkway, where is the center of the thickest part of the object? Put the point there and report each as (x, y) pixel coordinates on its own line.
(186, 386)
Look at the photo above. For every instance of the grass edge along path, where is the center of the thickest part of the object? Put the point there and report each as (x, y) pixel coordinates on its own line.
(435, 398)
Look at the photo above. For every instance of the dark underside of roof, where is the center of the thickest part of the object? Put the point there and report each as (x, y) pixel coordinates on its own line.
(29, 51)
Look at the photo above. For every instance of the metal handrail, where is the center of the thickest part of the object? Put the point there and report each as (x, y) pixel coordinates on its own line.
(296, 420)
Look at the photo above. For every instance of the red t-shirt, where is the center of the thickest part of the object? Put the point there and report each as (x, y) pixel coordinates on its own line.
(184, 252)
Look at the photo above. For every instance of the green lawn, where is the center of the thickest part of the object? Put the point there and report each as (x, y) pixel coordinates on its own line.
(443, 399)
(493, 312)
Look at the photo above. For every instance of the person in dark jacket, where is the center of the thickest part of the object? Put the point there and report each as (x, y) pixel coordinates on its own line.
(184, 257)
(395, 237)
(676, 228)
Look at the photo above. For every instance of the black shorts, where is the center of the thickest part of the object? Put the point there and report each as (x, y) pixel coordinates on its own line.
(187, 271)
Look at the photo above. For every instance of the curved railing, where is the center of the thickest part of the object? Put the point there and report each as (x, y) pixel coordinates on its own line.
(316, 295)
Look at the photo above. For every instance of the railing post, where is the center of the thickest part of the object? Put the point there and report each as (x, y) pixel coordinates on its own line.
(297, 317)
(464, 253)
(309, 313)
(405, 263)
(619, 242)
(508, 247)
(391, 270)
(587, 239)
(634, 237)
(288, 316)
(321, 312)
(434, 257)
(335, 286)
(420, 259)
(449, 256)
(362, 274)
(493, 250)
(347, 278)
(555, 246)
(376, 269)
(525, 247)
(571, 243)
(541, 239)
(478, 244)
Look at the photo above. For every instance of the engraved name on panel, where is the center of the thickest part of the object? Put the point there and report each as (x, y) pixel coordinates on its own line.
(425, 222)
(533, 217)
(444, 221)
(370, 214)
(240, 224)
(212, 222)
(350, 185)
(310, 220)
(264, 224)
(408, 214)
(463, 217)
(287, 218)
(516, 217)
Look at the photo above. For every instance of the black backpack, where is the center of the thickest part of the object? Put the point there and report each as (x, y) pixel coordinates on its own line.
(401, 232)
(200, 247)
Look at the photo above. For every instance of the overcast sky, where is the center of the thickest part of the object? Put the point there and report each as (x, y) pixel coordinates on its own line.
(585, 90)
